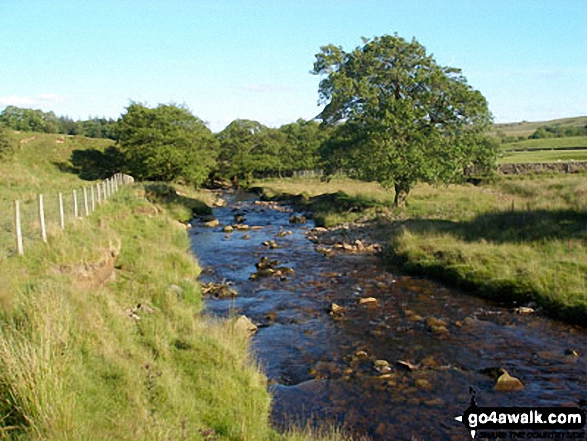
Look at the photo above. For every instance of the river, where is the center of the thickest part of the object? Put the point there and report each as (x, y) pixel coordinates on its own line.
(330, 367)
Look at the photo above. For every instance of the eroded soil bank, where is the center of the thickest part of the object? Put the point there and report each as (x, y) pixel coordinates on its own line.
(344, 340)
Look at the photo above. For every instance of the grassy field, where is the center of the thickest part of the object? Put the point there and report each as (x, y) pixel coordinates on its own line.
(517, 239)
(526, 128)
(101, 335)
(546, 143)
(558, 155)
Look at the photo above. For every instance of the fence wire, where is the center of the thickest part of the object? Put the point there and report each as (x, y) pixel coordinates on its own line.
(45, 216)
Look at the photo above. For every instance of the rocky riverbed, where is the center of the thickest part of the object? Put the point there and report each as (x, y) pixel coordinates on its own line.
(345, 340)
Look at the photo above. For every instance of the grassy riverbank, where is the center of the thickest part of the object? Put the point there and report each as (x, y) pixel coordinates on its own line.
(101, 335)
(516, 239)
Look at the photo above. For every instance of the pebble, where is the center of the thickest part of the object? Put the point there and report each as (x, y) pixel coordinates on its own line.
(507, 383)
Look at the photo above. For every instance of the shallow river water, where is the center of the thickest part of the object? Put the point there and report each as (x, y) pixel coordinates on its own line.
(323, 367)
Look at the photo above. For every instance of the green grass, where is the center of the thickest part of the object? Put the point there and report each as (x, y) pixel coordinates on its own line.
(546, 143)
(517, 239)
(76, 363)
(558, 155)
(85, 356)
(38, 163)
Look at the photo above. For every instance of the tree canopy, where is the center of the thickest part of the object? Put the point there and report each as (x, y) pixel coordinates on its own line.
(399, 117)
(166, 143)
(29, 120)
(246, 148)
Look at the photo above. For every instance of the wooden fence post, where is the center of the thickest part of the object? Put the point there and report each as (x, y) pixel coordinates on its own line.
(93, 199)
(61, 213)
(75, 210)
(87, 209)
(18, 229)
(99, 194)
(42, 219)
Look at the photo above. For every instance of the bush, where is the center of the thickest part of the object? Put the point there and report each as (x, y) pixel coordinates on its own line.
(6, 142)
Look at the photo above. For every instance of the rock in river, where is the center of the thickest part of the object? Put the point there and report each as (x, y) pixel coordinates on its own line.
(507, 383)
(243, 324)
(294, 219)
(212, 223)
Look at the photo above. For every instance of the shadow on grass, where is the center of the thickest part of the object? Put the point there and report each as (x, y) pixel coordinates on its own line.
(165, 194)
(93, 164)
(510, 226)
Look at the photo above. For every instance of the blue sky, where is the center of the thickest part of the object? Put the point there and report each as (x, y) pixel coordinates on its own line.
(228, 59)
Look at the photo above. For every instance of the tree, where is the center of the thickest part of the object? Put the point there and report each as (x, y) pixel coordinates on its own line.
(248, 148)
(302, 141)
(399, 117)
(166, 143)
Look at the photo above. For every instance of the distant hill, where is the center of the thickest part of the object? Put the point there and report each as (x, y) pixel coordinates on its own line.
(526, 128)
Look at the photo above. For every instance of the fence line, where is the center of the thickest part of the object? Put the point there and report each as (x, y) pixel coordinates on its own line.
(25, 221)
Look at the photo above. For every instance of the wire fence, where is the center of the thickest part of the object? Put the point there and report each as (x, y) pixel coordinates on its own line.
(23, 222)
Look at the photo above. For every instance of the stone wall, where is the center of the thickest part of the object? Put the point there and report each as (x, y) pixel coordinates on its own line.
(542, 167)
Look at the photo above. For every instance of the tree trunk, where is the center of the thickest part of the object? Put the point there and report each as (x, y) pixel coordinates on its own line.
(401, 194)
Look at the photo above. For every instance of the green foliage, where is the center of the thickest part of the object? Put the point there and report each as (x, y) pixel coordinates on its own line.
(166, 143)
(93, 164)
(554, 131)
(302, 143)
(6, 143)
(400, 118)
(248, 147)
(29, 120)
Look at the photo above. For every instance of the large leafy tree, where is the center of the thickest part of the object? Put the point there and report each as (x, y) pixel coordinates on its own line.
(399, 117)
(166, 143)
(302, 141)
(248, 148)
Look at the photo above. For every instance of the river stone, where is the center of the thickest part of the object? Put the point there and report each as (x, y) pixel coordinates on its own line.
(382, 366)
(413, 316)
(361, 354)
(243, 324)
(439, 330)
(228, 229)
(435, 402)
(407, 365)
(524, 310)
(241, 227)
(422, 383)
(433, 321)
(294, 219)
(219, 203)
(211, 224)
(367, 300)
(507, 383)
(336, 309)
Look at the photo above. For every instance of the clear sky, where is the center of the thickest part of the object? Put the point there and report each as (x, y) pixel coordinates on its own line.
(250, 59)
